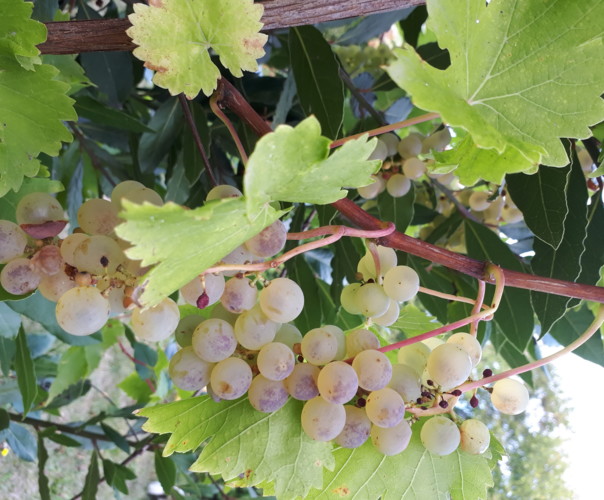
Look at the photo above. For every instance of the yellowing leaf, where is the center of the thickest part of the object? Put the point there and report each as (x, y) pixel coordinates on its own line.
(184, 242)
(32, 106)
(522, 75)
(175, 36)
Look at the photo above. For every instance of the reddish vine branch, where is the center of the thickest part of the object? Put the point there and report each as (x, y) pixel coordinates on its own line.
(74, 37)
(229, 97)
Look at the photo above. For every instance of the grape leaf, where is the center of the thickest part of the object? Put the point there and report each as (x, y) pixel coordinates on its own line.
(413, 321)
(174, 37)
(514, 67)
(415, 473)
(19, 34)
(184, 242)
(292, 164)
(32, 106)
(263, 447)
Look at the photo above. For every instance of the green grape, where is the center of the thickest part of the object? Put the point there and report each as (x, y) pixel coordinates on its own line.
(54, 286)
(475, 436)
(371, 300)
(38, 208)
(268, 242)
(156, 323)
(347, 298)
(98, 216)
(82, 310)
(415, 355)
(468, 343)
(185, 328)
(204, 290)
(99, 255)
(282, 300)
(449, 365)
(356, 429)
(338, 382)
(341, 339)
(390, 316)
(398, 185)
(188, 372)
(19, 277)
(302, 382)
(410, 146)
(406, 381)
(214, 340)
(69, 244)
(13, 241)
(373, 369)
(366, 266)
(414, 168)
(223, 191)
(360, 340)
(440, 435)
(253, 329)
(239, 295)
(276, 361)
(510, 396)
(319, 346)
(231, 378)
(479, 201)
(267, 395)
(289, 335)
(401, 283)
(392, 440)
(385, 407)
(322, 420)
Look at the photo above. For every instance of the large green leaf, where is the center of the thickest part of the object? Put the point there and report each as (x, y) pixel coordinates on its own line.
(183, 242)
(542, 199)
(515, 66)
(413, 474)
(563, 262)
(261, 447)
(33, 106)
(70, 71)
(318, 82)
(515, 315)
(174, 39)
(19, 34)
(292, 164)
(571, 326)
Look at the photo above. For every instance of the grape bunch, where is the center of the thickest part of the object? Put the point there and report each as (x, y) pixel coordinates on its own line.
(384, 287)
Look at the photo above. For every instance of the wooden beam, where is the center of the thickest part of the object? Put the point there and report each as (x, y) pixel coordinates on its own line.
(103, 35)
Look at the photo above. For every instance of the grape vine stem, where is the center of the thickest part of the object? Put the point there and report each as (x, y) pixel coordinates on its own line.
(230, 98)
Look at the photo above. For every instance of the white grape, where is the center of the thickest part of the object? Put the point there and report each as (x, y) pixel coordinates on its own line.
(302, 382)
(231, 378)
(223, 191)
(253, 329)
(468, 343)
(475, 436)
(276, 361)
(239, 295)
(433, 342)
(338, 382)
(282, 300)
(366, 266)
(391, 140)
(319, 346)
(267, 395)
(401, 283)
(393, 440)
(69, 244)
(371, 300)
(414, 355)
(414, 168)
(406, 381)
(410, 146)
(371, 191)
(98, 254)
(390, 316)
(98, 216)
(214, 340)
(289, 335)
(268, 242)
(13, 241)
(449, 365)
(218, 311)
(18, 277)
(380, 152)
(438, 141)
(373, 369)
(134, 192)
(356, 429)
(204, 290)
(341, 339)
(156, 323)
(440, 435)
(122, 189)
(510, 396)
(347, 298)
(238, 256)
(385, 407)
(52, 287)
(185, 328)
(82, 310)
(479, 201)
(322, 420)
(47, 261)
(360, 340)
(187, 371)
(398, 185)
(38, 208)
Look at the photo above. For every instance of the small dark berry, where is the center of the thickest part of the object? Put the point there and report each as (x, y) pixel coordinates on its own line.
(300, 358)
(443, 404)
(487, 373)
(474, 402)
(419, 401)
(429, 382)
(427, 394)
(361, 402)
(456, 393)
(104, 261)
(203, 300)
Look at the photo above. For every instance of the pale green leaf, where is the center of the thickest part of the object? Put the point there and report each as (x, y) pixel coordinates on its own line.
(263, 447)
(292, 164)
(72, 367)
(70, 71)
(522, 75)
(414, 474)
(32, 106)
(183, 242)
(19, 34)
(26, 373)
(413, 321)
(174, 38)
